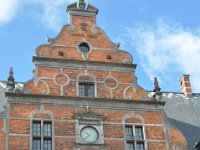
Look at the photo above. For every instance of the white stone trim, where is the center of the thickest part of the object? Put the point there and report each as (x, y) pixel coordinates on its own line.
(111, 77)
(132, 115)
(83, 40)
(43, 111)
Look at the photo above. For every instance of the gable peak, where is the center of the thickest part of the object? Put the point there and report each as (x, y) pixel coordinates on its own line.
(81, 6)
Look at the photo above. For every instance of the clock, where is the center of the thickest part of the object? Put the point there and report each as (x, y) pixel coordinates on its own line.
(89, 134)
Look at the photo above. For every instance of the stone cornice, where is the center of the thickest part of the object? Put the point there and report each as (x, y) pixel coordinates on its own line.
(60, 60)
(22, 98)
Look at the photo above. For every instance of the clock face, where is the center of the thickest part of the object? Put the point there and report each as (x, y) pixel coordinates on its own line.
(89, 134)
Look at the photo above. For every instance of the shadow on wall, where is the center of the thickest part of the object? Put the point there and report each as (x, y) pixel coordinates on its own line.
(191, 133)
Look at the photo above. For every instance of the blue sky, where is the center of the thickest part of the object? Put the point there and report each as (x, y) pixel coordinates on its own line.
(162, 35)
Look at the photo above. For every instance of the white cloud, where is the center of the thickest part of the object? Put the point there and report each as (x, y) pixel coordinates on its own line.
(8, 9)
(168, 49)
(52, 10)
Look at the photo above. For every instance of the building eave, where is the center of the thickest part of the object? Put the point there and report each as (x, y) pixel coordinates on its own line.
(84, 62)
(23, 98)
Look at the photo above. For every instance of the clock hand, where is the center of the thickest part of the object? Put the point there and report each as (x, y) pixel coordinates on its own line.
(88, 135)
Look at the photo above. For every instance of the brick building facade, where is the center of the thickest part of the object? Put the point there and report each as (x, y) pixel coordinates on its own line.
(84, 95)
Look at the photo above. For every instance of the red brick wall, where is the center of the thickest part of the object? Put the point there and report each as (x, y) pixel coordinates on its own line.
(64, 126)
(2, 135)
(176, 137)
(53, 83)
(107, 87)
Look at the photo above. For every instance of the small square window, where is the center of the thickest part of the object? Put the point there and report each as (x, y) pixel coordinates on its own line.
(130, 146)
(86, 89)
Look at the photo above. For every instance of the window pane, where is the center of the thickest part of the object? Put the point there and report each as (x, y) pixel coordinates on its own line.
(36, 145)
(47, 129)
(90, 90)
(130, 146)
(84, 47)
(140, 146)
(36, 128)
(47, 145)
(138, 133)
(129, 132)
(81, 89)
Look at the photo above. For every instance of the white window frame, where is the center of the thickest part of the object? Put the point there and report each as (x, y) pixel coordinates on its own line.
(135, 141)
(41, 137)
(51, 119)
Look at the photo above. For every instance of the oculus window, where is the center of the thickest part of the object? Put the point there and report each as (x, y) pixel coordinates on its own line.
(84, 48)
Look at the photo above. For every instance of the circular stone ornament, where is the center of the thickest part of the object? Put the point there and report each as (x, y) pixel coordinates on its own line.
(111, 82)
(61, 79)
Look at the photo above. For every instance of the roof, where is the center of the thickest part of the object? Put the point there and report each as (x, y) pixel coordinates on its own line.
(3, 100)
(2, 96)
(183, 113)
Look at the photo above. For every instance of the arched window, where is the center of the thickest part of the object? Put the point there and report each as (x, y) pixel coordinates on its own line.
(134, 133)
(41, 135)
(41, 130)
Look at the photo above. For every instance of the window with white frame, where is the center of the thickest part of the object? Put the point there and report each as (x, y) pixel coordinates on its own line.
(134, 137)
(86, 89)
(41, 135)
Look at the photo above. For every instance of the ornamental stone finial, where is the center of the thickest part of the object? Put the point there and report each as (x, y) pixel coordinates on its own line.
(11, 72)
(157, 95)
(11, 81)
(81, 4)
(156, 85)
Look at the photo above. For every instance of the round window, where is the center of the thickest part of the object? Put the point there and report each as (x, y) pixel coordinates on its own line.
(84, 47)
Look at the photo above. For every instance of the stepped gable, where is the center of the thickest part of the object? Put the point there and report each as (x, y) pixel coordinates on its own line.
(83, 28)
(83, 49)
